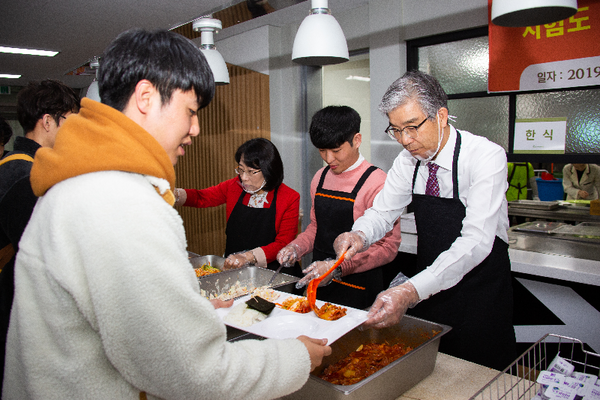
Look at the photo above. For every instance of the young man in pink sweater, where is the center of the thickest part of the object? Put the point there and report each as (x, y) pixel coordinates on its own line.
(341, 192)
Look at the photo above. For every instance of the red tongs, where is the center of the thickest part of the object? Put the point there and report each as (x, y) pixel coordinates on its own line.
(311, 290)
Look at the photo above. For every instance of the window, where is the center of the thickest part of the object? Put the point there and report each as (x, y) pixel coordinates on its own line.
(459, 60)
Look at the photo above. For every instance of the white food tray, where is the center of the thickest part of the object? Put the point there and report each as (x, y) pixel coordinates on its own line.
(285, 324)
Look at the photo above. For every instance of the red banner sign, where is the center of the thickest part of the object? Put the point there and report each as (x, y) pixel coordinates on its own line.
(558, 55)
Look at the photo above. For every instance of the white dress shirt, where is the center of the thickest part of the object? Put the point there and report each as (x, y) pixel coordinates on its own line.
(482, 172)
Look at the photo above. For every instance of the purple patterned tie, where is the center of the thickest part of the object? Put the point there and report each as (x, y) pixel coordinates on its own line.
(433, 188)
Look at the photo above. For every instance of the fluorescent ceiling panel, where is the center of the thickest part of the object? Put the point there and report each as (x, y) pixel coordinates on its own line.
(31, 52)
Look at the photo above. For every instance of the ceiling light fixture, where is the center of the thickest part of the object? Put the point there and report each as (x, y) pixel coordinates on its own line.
(93, 91)
(358, 78)
(207, 27)
(29, 52)
(9, 76)
(521, 13)
(320, 39)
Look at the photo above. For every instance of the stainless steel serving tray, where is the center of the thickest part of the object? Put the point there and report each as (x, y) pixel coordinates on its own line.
(547, 227)
(584, 230)
(534, 204)
(252, 277)
(392, 380)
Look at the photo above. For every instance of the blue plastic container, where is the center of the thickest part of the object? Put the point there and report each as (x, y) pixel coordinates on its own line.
(550, 190)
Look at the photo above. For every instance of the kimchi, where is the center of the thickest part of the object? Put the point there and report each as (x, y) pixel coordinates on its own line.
(365, 361)
(296, 304)
(331, 312)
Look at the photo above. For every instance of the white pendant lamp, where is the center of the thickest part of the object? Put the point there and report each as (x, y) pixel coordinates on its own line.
(93, 91)
(521, 13)
(207, 27)
(320, 39)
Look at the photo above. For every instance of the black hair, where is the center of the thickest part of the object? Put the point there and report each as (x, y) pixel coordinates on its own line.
(332, 126)
(166, 59)
(5, 132)
(39, 98)
(261, 154)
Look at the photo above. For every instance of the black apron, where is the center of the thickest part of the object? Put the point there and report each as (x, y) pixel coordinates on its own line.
(249, 228)
(334, 212)
(478, 308)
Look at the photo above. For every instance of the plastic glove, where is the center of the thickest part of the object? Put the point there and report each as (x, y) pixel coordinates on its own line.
(391, 305)
(180, 196)
(351, 242)
(289, 255)
(239, 260)
(399, 280)
(315, 270)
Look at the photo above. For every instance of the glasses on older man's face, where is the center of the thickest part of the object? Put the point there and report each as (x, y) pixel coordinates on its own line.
(250, 173)
(411, 131)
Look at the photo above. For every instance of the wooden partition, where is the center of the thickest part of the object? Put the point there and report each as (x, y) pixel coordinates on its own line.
(238, 112)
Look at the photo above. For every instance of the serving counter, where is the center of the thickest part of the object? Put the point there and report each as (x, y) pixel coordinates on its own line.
(451, 379)
(558, 280)
(559, 213)
(535, 254)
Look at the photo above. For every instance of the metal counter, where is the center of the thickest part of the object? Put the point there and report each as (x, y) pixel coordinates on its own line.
(562, 213)
(558, 257)
(540, 256)
(553, 245)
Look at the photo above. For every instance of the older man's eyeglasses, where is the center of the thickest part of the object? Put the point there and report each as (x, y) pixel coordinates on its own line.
(250, 172)
(411, 131)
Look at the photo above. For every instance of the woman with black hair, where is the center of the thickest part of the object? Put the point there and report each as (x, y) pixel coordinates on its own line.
(262, 212)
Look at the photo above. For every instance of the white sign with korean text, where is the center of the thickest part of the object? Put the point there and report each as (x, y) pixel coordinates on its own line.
(561, 74)
(544, 136)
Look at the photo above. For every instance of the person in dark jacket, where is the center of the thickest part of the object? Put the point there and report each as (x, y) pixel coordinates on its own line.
(5, 135)
(42, 107)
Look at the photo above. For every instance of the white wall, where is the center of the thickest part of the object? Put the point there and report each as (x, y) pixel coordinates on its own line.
(338, 90)
(250, 50)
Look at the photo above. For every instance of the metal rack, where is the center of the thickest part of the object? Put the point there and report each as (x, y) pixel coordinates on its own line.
(518, 381)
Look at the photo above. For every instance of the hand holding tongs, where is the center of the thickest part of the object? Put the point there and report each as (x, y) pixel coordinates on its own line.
(311, 291)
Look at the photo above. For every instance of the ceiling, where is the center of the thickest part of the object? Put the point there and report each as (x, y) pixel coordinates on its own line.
(80, 30)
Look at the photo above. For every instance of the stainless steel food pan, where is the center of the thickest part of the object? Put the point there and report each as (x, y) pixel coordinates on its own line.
(214, 261)
(390, 381)
(251, 277)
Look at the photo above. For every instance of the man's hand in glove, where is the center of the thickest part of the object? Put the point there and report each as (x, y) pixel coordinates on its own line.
(391, 305)
(350, 242)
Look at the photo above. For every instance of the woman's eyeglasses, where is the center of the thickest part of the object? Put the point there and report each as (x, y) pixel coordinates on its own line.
(250, 172)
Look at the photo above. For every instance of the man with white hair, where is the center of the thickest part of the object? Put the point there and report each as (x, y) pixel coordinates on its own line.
(456, 182)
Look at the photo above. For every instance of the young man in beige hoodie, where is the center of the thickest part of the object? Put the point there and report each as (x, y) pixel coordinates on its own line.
(107, 304)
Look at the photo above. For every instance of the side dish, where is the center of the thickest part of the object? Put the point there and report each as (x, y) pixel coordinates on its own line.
(206, 269)
(364, 361)
(328, 311)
